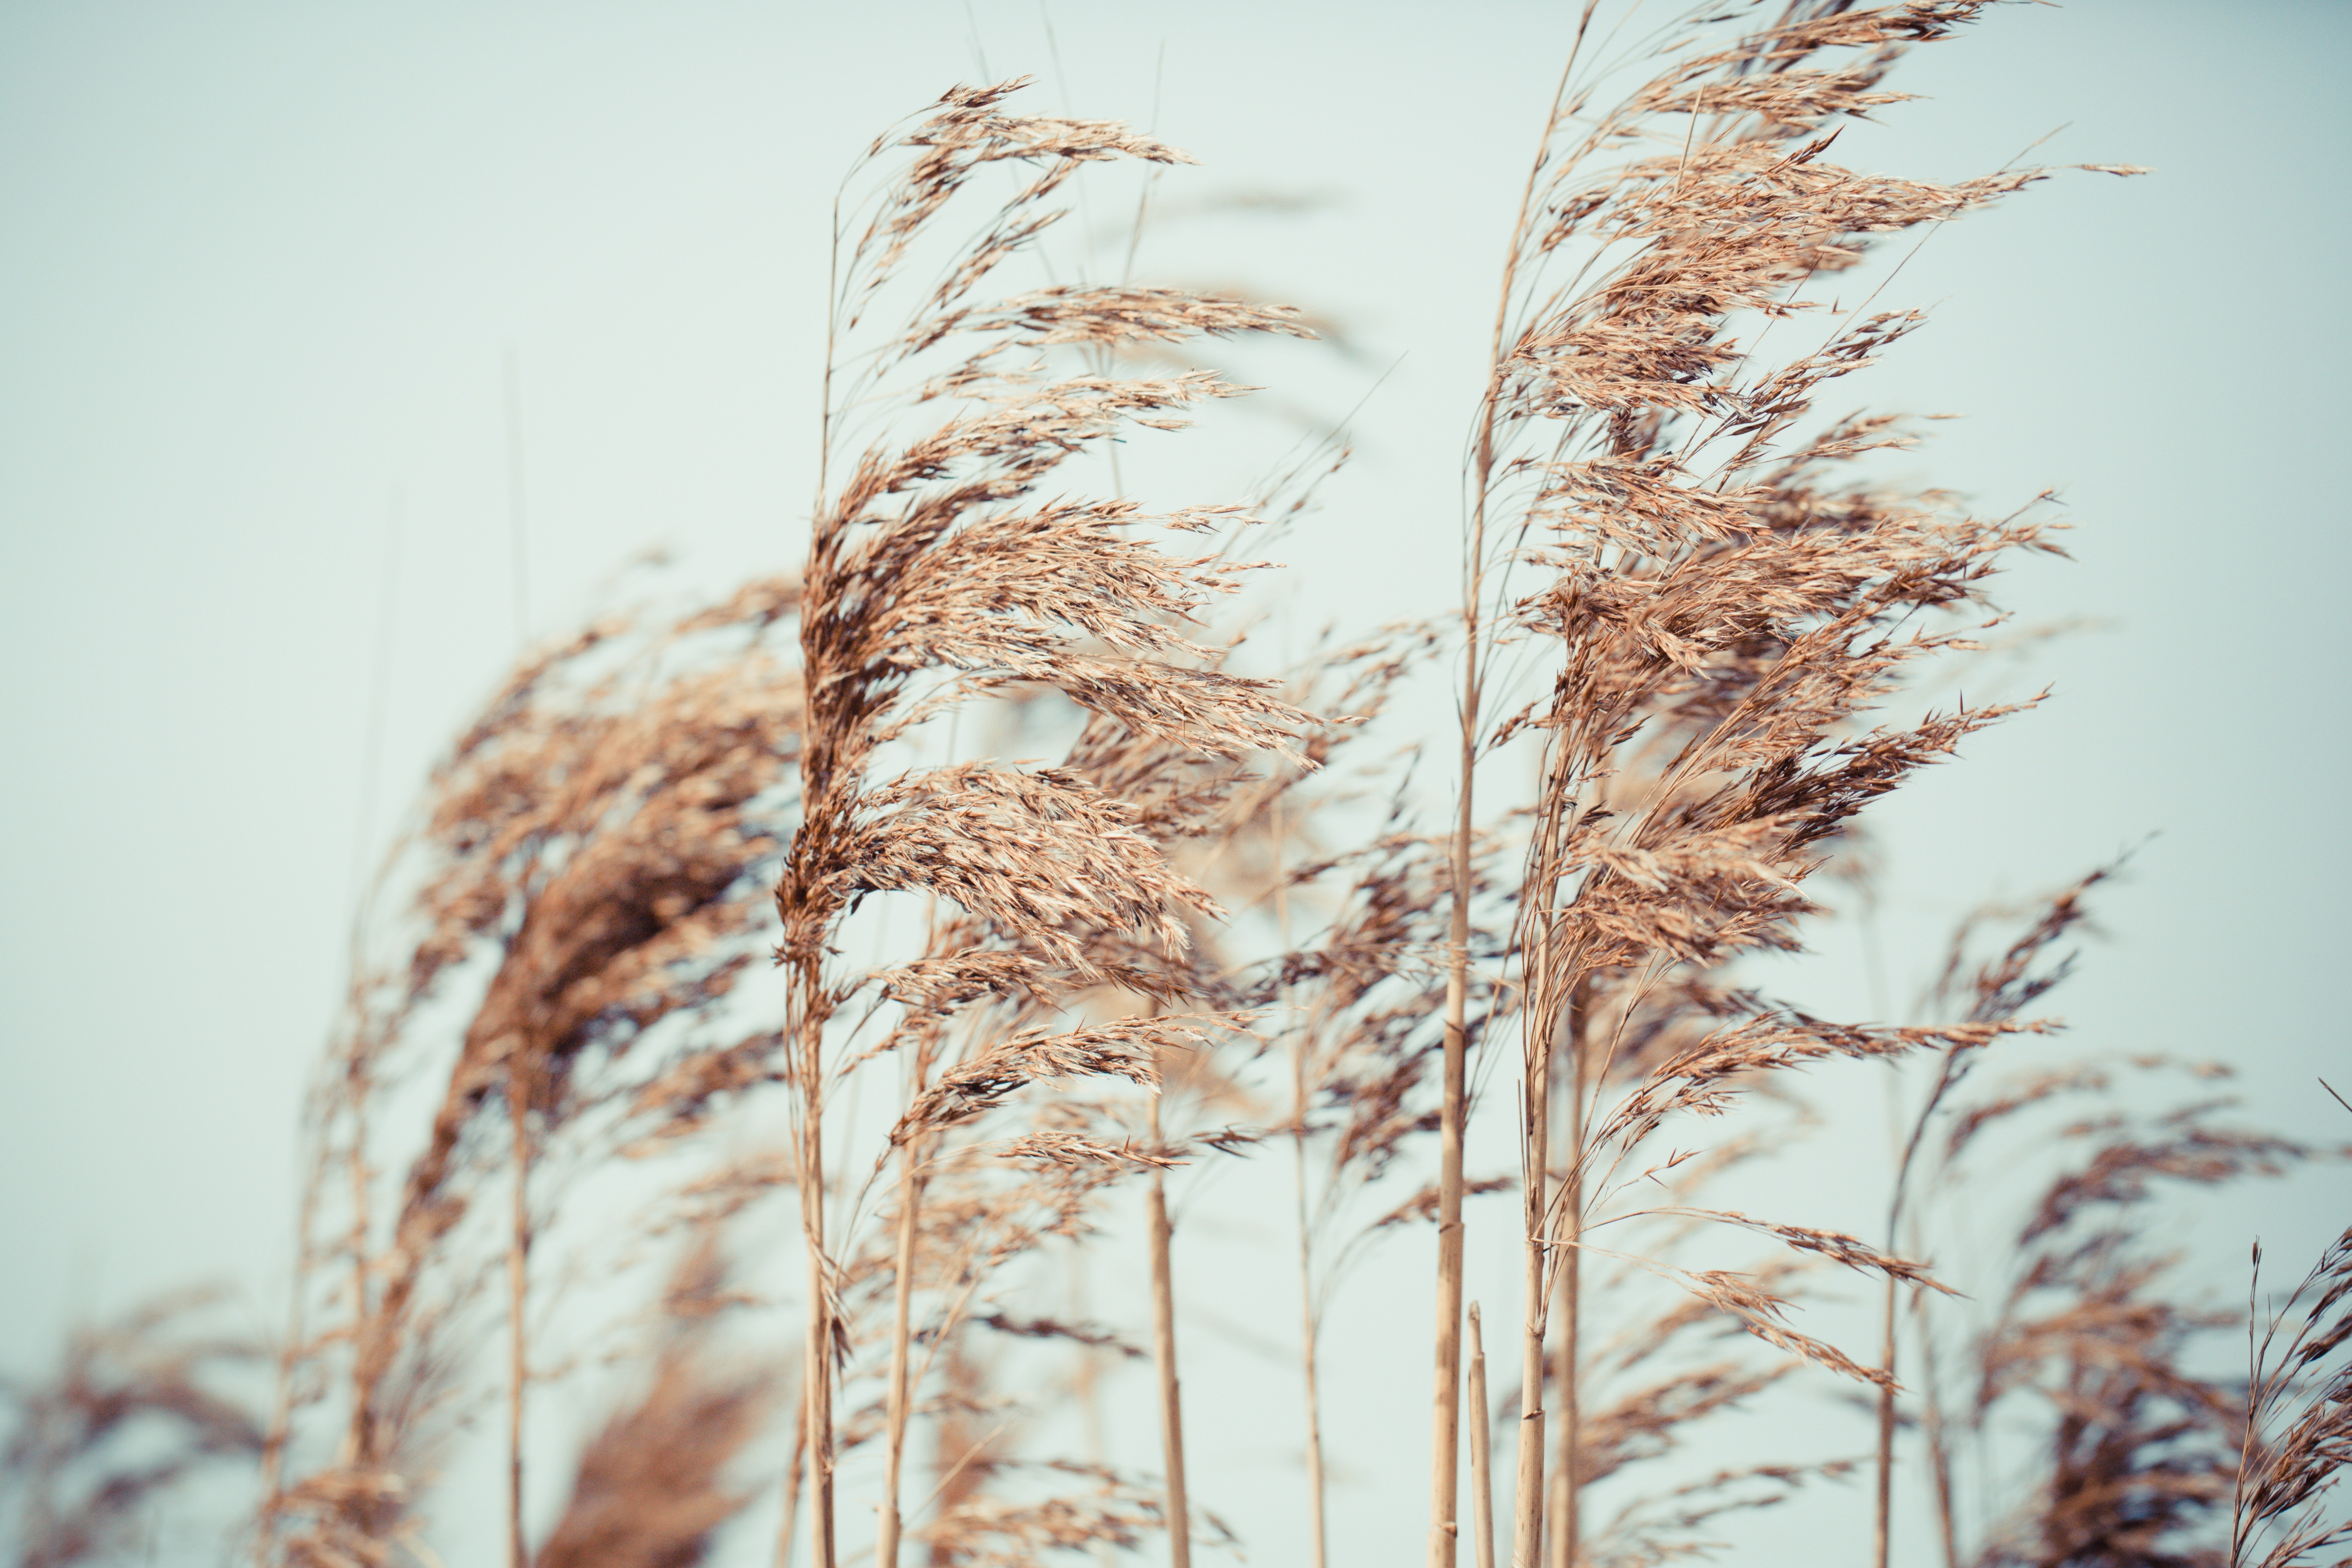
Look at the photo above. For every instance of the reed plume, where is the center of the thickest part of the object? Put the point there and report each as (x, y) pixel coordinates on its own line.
(2092, 1342)
(137, 1407)
(592, 840)
(1728, 611)
(933, 579)
(651, 1486)
(2298, 1424)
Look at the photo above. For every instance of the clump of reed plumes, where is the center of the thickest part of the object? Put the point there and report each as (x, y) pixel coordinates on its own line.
(1730, 601)
(1172, 935)
(2298, 1427)
(136, 1408)
(651, 1488)
(933, 578)
(595, 842)
(2091, 1343)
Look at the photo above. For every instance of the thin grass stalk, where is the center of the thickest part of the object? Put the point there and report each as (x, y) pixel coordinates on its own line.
(1446, 1442)
(817, 1369)
(817, 1386)
(1883, 1525)
(1527, 1537)
(1939, 1445)
(1539, 1209)
(518, 1299)
(885, 1548)
(1446, 1436)
(1482, 1459)
(356, 1088)
(280, 1430)
(1567, 1534)
(910, 1200)
(1163, 1358)
(1309, 1326)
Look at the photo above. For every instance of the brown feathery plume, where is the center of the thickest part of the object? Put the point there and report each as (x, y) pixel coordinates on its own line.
(2298, 1427)
(599, 831)
(2140, 1446)
(2142, 1449)
(134, 1409)
(650, 1488)
(933, 578)
(1718, 600)
(1997, 992)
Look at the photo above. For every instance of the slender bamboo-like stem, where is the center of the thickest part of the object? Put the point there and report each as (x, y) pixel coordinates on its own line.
(1482, 1460)
(910, 1200)
(1310, 1331)
(1882, 1524)
(1548, 1009)
(885, 1549)
(1309, 1320)
(1567, 1532)
(1163, 1357)
(792, 1509)
(1939, 1451)
(356, 1088)
(1527, 1536)
(517, 1284)
(1949, 1075)
(817, 1391)
(1446, 1437)
(817, 1370)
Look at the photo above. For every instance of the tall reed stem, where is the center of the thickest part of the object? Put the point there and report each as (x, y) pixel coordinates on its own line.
(1309, 1324)
(1939, 1450)
(517, 1282)
(910, 1199)
(1527, 1537)
(1309, 1328)
(1163, 1357)
(1482, 1460)
(817, 1406)
(1567, 1533)
(1447, 1438)
(885, 1548)
(1883, 1530)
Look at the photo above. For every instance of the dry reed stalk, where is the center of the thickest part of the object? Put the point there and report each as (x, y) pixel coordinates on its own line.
(518, 1287)
(1178, 1505)
(929, 582)
(1482, 1463)
(1309, 1328)
(1716, 602)
(592, 831)
(1309, 1324)
(1568, 1530)
(910, 1198)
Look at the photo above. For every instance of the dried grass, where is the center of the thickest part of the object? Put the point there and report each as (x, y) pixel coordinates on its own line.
(1200, 917)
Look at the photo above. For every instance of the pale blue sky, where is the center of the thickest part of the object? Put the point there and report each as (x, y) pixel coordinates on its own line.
(263, 262)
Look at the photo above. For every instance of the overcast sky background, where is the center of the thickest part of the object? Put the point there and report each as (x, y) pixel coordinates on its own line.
(263, 266)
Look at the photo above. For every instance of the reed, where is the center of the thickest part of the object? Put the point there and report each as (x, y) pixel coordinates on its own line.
(1024, 1010)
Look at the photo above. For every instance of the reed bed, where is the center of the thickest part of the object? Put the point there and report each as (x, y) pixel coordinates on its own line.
(782, 1001)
